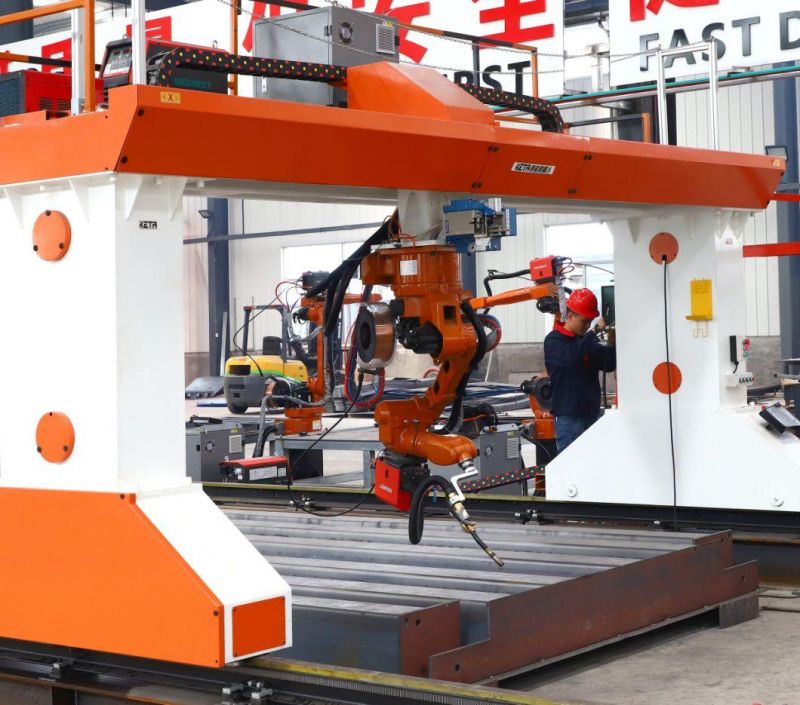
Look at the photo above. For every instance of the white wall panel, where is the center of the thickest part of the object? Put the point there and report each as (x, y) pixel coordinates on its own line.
(746, 125)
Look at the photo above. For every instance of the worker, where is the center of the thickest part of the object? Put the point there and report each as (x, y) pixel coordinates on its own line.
(574, 356)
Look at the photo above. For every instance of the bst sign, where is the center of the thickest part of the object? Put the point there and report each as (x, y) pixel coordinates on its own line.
(749, 34)
(539, 23)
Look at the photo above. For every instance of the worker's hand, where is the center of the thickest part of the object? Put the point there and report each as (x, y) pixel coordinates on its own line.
(600, 325)
(612, 337)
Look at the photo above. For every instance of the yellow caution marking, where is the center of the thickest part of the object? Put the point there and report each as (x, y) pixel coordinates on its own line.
(171, 97)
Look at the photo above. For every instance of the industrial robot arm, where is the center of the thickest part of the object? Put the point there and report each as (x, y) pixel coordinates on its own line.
(431, 314)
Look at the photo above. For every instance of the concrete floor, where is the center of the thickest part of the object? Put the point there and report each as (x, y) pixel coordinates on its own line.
(693, 663)
(696, 664)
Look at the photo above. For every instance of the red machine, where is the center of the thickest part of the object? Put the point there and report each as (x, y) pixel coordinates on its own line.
(30, 91)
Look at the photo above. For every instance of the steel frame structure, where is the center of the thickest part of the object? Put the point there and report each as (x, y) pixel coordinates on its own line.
(120, 204)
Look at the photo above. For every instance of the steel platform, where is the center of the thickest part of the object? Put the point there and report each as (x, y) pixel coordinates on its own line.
(366, 598)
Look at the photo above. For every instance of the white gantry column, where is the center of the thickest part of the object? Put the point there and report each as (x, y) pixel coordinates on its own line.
(93, 488)
(725, 456)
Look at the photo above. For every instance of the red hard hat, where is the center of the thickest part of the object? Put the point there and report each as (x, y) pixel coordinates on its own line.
(584, 303)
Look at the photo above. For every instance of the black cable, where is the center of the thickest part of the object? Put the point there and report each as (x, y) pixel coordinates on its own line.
(261, 441)
(593, 266)
(416, 513)
(480, 351)
(299, 505)
(336, 284)
(669, 398)
(528, 437)
(378, 237)
(493, 274)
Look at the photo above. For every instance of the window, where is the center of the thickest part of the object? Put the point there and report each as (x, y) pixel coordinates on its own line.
(298, 259)
(591, 247)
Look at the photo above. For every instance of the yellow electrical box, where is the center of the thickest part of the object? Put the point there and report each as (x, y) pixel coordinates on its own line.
(702, 304)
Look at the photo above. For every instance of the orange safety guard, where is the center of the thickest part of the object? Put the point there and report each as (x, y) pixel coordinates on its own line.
(93, 572)
(152, 130)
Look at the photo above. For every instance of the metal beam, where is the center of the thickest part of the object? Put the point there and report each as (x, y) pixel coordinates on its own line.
(786, 133)
(218, 285)
(281, 233)
(365, 597)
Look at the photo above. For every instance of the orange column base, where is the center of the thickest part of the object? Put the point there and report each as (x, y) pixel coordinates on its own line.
(90, 570)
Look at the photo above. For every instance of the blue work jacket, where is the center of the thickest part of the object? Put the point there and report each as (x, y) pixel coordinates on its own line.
(573, 363)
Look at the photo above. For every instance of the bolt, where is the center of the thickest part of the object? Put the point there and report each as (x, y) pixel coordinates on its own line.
(124, 160)
(140, 112)
(66, 448)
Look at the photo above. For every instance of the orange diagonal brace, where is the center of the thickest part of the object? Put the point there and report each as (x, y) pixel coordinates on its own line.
(514, 296)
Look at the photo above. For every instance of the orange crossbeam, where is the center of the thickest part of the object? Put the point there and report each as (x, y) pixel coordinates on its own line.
(427, 129)
(776, 249)
(787, 197)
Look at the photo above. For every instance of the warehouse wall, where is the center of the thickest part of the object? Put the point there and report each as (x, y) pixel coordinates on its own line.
(746, 125)
(256, 264)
